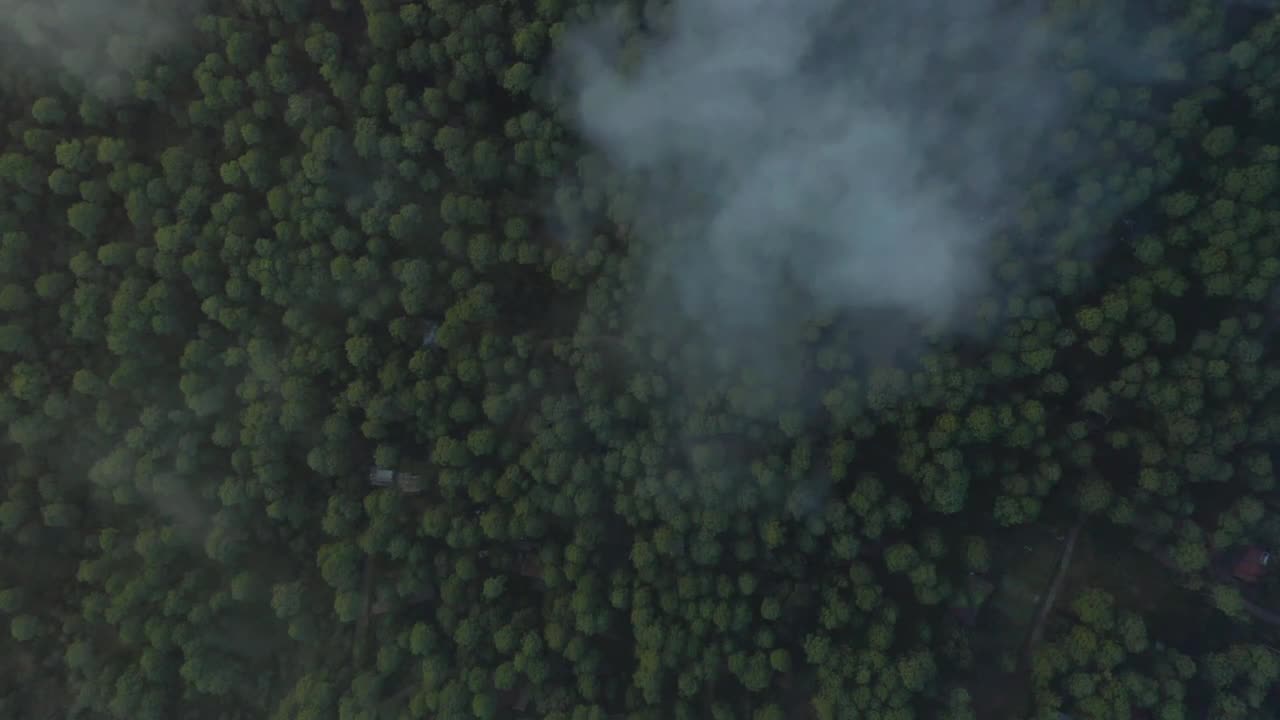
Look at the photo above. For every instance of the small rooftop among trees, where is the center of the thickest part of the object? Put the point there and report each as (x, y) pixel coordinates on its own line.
(409, 483)
(1251, 563)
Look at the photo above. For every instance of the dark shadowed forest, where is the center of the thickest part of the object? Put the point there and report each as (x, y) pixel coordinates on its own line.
(644, 360)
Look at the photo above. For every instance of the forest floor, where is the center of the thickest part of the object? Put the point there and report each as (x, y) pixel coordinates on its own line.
(1026, 572)
(1023, 568)
(1047, 604)
(1138, 581)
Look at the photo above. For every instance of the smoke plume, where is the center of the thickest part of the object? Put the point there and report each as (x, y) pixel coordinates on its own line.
(817, 157)
(96, 44)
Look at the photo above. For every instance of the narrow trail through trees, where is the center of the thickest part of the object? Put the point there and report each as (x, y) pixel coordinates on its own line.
(1046, 607)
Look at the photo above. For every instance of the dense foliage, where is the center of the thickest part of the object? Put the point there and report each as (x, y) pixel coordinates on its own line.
(312, 239)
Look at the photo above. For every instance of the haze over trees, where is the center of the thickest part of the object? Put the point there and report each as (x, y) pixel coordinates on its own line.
(695, 359)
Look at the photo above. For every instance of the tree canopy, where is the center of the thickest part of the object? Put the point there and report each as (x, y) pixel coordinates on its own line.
(252, 252)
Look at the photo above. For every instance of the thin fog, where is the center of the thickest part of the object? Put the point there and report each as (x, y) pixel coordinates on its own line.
(817, 157)
(96, 44)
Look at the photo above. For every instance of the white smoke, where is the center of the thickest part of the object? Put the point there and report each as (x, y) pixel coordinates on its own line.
(96, 43)
(819, 156)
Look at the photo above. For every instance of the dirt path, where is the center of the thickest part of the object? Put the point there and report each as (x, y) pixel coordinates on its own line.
(1046, 606)
(1021, 677)
(1261, 613)
(1270, 617)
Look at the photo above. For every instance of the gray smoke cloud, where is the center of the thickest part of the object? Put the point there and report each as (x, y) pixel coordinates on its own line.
(818, 157)
(98, 44)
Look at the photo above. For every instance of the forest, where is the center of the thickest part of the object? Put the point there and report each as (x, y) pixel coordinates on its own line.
(348, 373)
